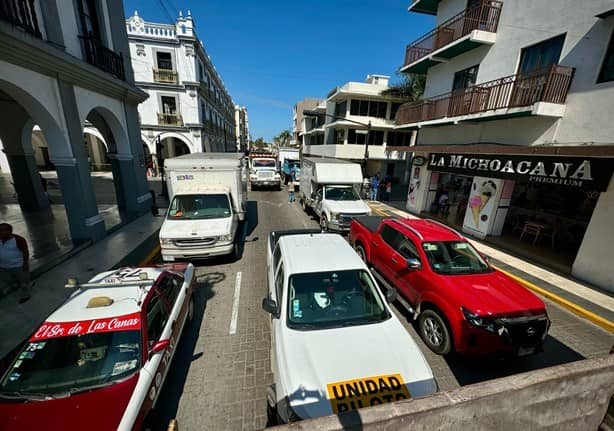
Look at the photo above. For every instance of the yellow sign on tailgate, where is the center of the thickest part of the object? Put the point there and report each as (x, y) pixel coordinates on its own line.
(366, 391)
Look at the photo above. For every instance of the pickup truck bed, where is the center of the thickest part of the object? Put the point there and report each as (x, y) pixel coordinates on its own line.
(370, 222)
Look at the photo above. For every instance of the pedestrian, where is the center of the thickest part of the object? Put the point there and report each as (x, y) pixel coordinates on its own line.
(374, 187)
(14, 259)
(444, 205)
(388, 190)
(290, 188)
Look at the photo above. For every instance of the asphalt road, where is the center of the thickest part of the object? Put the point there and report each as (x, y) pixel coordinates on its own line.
(221, 370)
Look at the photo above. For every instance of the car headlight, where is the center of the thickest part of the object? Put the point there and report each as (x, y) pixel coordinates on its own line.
(334, 216)
(166, 241)
(277, 176)
(225, 238)
(478, 321)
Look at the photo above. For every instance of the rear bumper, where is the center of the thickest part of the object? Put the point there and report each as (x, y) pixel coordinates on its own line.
(171, 254)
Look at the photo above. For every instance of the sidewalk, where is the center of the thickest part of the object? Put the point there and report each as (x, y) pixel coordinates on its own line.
(580, 298)
(128, 245)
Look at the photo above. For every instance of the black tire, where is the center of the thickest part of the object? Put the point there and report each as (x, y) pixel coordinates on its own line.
(360, 251)
(190, 317)
(434, 331)
(236, 251)
(323, 223)
(271, 416)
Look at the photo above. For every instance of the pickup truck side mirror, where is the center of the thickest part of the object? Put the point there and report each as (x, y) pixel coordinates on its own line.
(414, 264)
(391, 295)
(159, 346)
(270, 306)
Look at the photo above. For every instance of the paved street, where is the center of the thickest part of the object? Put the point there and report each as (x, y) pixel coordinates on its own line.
(218, 379)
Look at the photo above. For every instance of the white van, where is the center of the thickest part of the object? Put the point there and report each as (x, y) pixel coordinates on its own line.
(330, 188)
(208, 195)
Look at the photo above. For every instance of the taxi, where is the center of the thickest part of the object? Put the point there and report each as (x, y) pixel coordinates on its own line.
(99, 361)
(336, 344)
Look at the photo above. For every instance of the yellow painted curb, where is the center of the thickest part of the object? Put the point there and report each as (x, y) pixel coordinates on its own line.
(574, 308)
(150, 256)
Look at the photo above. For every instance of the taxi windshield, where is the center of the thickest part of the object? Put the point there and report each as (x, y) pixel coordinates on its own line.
(454, 258)
(67, 365)
(341, 194)
(333, 299)
(193, 207)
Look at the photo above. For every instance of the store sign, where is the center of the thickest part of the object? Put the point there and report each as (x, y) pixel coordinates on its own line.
(419, 161)
(585, 172)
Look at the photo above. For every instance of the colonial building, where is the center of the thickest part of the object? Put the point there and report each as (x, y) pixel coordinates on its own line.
(357, 113)
(515, 127)
(188, 109)
(63, 69)
(241, 128)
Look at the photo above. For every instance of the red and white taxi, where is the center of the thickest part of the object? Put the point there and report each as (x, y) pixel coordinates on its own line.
(99, 361)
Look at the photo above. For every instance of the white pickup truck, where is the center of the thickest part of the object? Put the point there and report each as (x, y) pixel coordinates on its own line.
(208, 193)
(329, 188)
(336, 345)
(264, 172)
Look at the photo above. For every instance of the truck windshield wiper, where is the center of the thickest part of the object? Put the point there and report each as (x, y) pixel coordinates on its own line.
(32, 396)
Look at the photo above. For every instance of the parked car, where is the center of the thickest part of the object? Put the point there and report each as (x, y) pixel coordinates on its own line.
(208, 195)
(99, 361)
(461, 303)
(330, 188)
(336, 345)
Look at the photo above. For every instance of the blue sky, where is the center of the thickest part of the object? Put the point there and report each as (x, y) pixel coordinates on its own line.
(272, 54)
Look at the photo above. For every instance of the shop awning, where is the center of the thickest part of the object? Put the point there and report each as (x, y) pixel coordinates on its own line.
(551, 150)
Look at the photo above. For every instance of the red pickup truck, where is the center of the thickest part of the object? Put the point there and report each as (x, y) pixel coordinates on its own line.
(462, 304)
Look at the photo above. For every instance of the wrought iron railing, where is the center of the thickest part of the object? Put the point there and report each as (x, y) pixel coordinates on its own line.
(165, 75)
(524, 89)
(484, 16)
(170, 119)
(102, 57)
(22, 14)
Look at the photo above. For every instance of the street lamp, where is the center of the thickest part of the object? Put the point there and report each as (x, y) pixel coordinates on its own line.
(309, 113)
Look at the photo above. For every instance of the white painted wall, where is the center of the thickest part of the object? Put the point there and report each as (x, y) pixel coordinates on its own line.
(526, 22)
(594, 259)
(70, 29)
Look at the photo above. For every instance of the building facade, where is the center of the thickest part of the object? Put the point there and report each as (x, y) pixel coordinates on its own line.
(64, 68)
(241, 128)
(189, 109)
(515, 127)
(298, 119)
(352, 110)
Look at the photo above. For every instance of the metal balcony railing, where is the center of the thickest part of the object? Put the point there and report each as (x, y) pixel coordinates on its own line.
(170, 119)
(20, 13)
(102, 57)
(484, 16)
(545, 85)
(168, 76)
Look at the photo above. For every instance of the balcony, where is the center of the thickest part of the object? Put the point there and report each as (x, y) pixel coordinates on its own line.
(469, 29)
(167, 76)
(541, 92)
(102, 57)
(170, 119)
(20, 13)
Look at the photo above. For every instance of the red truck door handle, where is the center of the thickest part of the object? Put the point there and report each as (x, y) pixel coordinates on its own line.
(374, 244)
(393, 259)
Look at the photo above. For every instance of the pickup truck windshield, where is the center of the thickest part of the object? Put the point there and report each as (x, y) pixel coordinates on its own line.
(195, 207)
(333, 299)
(341, 194)
(66, 365)
(264, 163)
(454, 257)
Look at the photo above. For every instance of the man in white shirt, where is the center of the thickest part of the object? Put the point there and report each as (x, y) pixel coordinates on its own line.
(14, 259)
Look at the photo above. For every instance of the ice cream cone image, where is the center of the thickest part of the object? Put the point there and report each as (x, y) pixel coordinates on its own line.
(487, 191)
(475, 203)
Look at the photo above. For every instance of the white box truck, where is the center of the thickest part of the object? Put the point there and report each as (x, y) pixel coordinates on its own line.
(330, 188)
(264, 171)
(208, 195)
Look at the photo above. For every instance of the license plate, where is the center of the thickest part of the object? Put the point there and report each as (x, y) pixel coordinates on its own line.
(524, 351)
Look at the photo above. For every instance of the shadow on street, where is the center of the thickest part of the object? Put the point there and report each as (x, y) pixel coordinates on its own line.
(168, 402)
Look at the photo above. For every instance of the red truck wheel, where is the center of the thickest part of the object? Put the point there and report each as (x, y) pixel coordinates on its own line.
(360, 251)
(434, 332)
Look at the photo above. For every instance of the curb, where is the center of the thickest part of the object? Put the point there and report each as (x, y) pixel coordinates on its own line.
(574, 308)
(150, 256)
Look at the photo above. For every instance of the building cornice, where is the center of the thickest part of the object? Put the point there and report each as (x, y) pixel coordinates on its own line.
(160, 86)
(27, 51)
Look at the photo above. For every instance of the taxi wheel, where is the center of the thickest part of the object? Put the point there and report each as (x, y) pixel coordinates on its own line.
(271, 415)
(191, 310)
(360, 251)
(434, 332)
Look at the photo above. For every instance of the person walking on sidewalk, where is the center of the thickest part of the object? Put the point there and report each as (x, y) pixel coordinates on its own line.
(374, 187)
(290, 187)
(14, 258)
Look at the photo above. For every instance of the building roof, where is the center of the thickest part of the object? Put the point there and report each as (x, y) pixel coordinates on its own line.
(317, 253)
(126, 298)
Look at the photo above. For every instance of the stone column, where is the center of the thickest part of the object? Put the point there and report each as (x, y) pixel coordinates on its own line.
(124, 180)
(27, 181)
